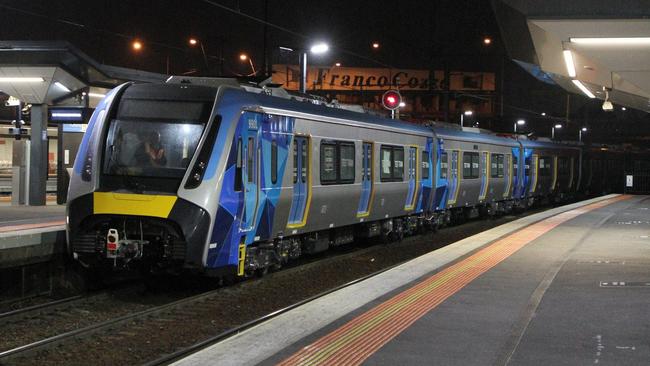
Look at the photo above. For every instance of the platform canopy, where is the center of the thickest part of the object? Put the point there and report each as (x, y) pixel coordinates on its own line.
(596, 48)
(46, 72)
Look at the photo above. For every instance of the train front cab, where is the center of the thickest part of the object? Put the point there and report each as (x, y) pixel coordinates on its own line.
(126, 206)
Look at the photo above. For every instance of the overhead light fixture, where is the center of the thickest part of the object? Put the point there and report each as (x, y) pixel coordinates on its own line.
(607, 104)
(66, 114)
(96, 95)
(605, 41)
(558, 126)
(286, 49)
(468, 113)
(21, 80)
(583, 89)
(521, 122)
(623, 108)
(319, 48)
(570, 66)
(402, 104)
(62, 87)
(543, 113)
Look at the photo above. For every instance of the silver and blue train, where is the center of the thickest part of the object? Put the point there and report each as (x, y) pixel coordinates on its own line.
(229, 179)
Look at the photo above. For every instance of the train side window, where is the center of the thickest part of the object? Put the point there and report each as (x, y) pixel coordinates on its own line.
(391, 163)
(327, 163)
(274, 162)
(386, 163)
(305, 161)
(470, 165)
(398, 164)
(444, 165)
(295, 161)
(563, 165)
(250, 164)
(425, 165)
(496, 166)
(238, 166)
(544, 166)
(346, 162)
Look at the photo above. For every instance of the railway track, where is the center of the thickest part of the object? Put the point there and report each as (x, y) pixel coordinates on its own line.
(174, 329)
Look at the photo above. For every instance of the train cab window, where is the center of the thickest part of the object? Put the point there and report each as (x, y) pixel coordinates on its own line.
(274, 162)
(425, 165)
(337, 162)
(444, 165)
(238, 166)
(497, 166)
(392, 163)
(545, 166)
(470, 165)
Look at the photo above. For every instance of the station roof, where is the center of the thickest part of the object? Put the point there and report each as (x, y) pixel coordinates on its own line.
(605, 41)
(59, 69)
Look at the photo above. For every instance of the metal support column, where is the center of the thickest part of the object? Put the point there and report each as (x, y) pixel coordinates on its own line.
(38, 156)
(303, 72)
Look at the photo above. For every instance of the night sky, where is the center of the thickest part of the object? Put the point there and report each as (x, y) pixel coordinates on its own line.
(412, 34)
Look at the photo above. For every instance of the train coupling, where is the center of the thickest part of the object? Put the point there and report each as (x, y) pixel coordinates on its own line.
(126, 249)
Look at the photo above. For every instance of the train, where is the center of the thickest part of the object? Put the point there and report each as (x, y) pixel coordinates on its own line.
(228, 179)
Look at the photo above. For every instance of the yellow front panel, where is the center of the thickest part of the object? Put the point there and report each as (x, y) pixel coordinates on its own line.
(133, 204)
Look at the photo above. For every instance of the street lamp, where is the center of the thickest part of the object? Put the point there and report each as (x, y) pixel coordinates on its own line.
(317, 49)
(466, 113)
(136, 45)
(375, 45)
(520, 122)
(193, 42)
(245, 57)
(584, 129)
(557, 126)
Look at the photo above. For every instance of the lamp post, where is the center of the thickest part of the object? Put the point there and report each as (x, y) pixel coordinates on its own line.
(557, 126)
(245, 57)
(519, 122)
(584, 129)
(193, 42)
(466, 113)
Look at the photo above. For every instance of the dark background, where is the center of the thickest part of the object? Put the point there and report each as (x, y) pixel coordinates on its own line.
(412, 34)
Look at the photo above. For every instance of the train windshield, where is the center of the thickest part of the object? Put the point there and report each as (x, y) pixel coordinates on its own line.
(149, 148)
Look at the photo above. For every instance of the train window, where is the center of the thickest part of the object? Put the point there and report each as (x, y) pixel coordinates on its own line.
(398, 163)
(346, 162)
(337, 162)
(497, 166)
(515, 165)
(545, 166)
(295, 161)
(444, 165)
(238, 166)
(470, 165)
(392, 163)
(250, 163)
(274, 162)
(386, 163)
(305, 161)
(327, 163)
(563, 165)
(425, 165)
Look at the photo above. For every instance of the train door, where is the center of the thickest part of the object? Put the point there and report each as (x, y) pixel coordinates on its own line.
(301, 182)
(485, 162)
(366, 180)
(554, 179)
(507, 176)
(454, 178)
(412, 178)
(248, 160)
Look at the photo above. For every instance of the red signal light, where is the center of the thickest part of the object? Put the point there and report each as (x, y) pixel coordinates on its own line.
(391, 99)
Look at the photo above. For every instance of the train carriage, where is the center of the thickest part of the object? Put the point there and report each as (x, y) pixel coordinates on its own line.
(226, 179)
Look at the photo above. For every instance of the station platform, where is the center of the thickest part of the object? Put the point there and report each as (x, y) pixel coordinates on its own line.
(30, 234)
(567, 286)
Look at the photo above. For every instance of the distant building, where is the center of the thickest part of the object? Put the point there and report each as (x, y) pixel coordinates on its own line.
(423, 91)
